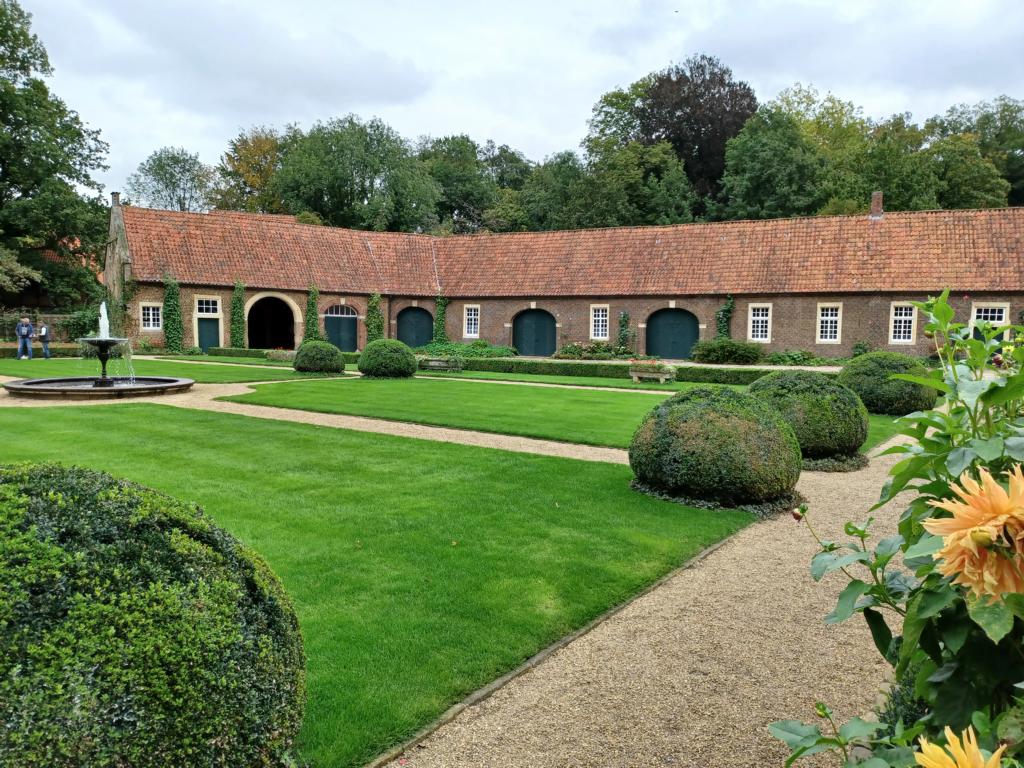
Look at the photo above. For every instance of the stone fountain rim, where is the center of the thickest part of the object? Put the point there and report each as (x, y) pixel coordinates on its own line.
(137, 387)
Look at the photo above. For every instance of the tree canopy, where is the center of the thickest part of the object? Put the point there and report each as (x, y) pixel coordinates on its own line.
(173, 178)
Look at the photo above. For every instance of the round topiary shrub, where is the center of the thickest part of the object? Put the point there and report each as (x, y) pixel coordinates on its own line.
(716, 444)
(315, 356)
(387, 359)
(870, 375)
(136, 632)
(829, 420)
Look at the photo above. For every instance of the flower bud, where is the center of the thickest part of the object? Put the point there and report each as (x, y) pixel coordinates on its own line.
(981, 537)
(929, 334)
(798, 514)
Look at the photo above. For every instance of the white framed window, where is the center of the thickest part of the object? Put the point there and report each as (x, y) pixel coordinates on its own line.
(599, 322)
(151, 316)
(207, 306)
(995, 313)
(759, 323)
(340, 310)
(902, 323)
(471, 321)
(830, 323)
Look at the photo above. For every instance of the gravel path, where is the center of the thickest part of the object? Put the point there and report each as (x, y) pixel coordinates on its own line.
(691, 673)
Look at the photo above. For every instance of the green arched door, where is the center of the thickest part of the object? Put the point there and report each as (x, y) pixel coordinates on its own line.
(671, 333)
(415, 326)
(533, 333)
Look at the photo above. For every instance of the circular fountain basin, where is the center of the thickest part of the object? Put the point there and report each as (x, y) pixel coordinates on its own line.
(86, 388)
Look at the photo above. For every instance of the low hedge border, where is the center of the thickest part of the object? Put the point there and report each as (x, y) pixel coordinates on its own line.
(762, 511)
(56, 350)
(837, 463)
(237, 352)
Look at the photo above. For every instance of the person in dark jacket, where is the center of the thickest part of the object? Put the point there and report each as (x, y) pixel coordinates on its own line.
(43, 334)
(24, 331)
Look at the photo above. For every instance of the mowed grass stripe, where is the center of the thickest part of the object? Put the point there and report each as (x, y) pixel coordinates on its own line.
(420, 570)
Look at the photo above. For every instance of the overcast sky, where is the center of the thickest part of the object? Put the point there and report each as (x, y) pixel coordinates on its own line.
(193, 73)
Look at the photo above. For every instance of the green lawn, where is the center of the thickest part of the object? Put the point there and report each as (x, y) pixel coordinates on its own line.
(880, 429)
(579, 381)
(420, 570)
(227, 359)
(206, 374)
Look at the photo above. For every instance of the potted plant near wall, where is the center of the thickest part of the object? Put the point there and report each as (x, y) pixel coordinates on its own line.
(650, 370)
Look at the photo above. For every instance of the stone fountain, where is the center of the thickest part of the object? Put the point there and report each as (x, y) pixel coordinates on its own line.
(102, 386)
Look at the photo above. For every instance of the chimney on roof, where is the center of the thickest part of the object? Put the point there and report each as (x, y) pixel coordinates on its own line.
(876, 206)
(115, 199)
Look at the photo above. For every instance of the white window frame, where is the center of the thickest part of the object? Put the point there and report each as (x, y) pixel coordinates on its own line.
(750, 322)
(465, 321)
(218, 316)
(607, 322)
(892, 323)
(1003, 305)
(142, 324)
(839, 322)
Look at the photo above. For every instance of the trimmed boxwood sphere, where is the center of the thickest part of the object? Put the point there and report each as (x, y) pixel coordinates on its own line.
(319, 357)
(387, 359)
(869, 376)
(136, 632)
(716, 444)
(827, 418)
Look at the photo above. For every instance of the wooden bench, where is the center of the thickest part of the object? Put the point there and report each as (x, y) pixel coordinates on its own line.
(440, 364)
(661, 377)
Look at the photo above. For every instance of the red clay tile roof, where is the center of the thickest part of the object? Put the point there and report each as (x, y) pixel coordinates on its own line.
(979, 250)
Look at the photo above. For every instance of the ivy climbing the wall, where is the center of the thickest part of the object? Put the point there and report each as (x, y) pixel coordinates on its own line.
(174, 330)
(374, 319)
(723, 318)
(238, 315)
(312, 316)
(440, 310)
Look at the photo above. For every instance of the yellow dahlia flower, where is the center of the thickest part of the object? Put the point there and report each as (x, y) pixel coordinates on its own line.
(983, 542)
(960, 755)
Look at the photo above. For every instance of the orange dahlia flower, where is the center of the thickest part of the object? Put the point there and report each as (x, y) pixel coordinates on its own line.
(983, 542)
(963, 754)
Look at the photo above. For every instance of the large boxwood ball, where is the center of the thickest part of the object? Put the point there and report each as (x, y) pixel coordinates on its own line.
(387, 359)
(827, 418)
(319, 357)
(716, 444)
(870, 377)
(135, 632)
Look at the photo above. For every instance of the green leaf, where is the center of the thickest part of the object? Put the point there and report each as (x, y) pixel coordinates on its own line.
(874, 762)
(913, 625)
(988, 450)
(1015, 602)
(935, 382)
(954, 634)
(925, 547)
(1010, 389)
(995, 618)
(847, 601)
(880, 631)
(932, 602)
(959, 460)
(888, 547)
(826, 562)
(794, 733)
(1014, 447)
(855, 728)
(969, 390)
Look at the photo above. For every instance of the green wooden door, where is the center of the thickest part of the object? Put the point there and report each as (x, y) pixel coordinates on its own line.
(209, 333)
(533, 333)
(341, 332)
(415, 326)
(671, 334)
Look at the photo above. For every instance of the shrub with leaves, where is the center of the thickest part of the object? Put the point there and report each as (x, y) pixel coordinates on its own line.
(318, 357)
(312, 330)
(374, 319)
(136, 632)
(724, 350)
(387, 359)
(440, 320)
(723, 318)
(238, 315)
(875, 377)
(174, 329)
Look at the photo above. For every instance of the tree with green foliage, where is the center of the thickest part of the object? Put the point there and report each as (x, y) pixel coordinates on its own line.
(507, 214)
(312, 332)
(374, 319)
(548, 196)
(172, 178)
(361, 175)
(966, 178)
(246, 170)
(174, 328)
(507, 167)
(772, 170)
(46, 155)
(238, 315)
(467, 189)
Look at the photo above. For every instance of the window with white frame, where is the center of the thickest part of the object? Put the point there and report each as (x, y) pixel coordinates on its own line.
(207, 306)
(991, 313)
(759, 323)
(902, 321)
(830, 323)
(471, 321)
(152, 317)
(599, 322)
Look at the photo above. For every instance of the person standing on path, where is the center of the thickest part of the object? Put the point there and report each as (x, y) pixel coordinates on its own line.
(24, 331)
(43, 334)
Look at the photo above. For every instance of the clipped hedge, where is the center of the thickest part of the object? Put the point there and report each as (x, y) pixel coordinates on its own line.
(387, 359)
(137, 632)
(236, 352)
(716, 444)
(549, 367)
(56, 350)
(724, 350)
(350, 357)
(829, 420)
(316, 356)
(870, 376)
(719, 375)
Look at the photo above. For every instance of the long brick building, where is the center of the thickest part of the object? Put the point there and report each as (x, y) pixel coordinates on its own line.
(820, 284)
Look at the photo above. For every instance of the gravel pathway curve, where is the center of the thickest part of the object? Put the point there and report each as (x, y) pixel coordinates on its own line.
(691, 673)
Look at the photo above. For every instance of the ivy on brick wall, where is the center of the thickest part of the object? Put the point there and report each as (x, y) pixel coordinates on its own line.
(238, 315)
(723, 318)
(174, 329)
(374, 319)
(313, 315)
(625, 336)
(440, 311)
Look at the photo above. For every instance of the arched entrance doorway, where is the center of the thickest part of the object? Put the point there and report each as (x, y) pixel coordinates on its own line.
(340, 325)
(533, 333)
(415, 326)
(671, 333)
(271, 324)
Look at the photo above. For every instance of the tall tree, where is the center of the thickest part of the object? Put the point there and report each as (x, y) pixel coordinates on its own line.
(772, 169)
(246, 169)
(895, 164)
(467, 189)
(547, 196)
(46, 152)
(966, 179)
(357, 174)
(507, 167)
(172, 178)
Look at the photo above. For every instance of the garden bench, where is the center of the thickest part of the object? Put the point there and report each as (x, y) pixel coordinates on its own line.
(660, 376)
(440, 364)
